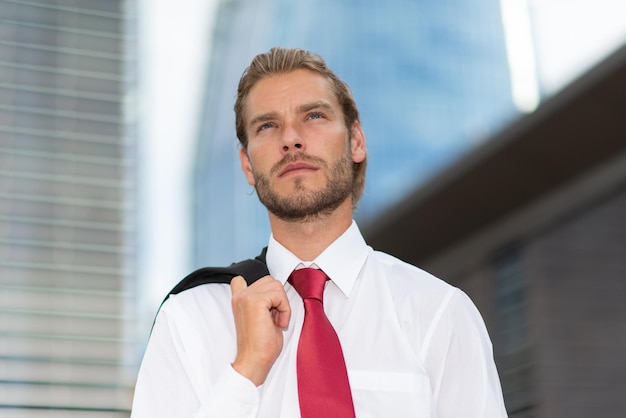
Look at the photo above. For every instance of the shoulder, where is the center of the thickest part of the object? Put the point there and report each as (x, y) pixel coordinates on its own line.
(408, 278)
(196, 310)
(426, 304)
(207, 287)
(413, 288)
(251, 269)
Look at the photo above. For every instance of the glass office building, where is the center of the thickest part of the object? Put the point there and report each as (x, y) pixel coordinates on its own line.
(66, 209)
(431, 79)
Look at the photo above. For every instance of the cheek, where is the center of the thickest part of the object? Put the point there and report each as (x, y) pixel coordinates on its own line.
(329, 142)
(260, 160)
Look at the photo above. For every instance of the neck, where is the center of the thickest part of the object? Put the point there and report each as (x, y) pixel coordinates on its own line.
(308, 238)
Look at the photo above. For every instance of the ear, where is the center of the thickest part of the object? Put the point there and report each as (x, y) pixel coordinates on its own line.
(357, 144)
(246, 166)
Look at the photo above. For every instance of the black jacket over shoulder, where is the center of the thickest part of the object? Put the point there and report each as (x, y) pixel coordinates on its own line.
(251, 270)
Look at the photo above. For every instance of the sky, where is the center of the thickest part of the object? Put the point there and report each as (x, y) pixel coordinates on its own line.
(572, 35)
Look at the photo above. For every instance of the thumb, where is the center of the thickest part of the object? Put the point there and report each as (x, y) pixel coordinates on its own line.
(237, 284)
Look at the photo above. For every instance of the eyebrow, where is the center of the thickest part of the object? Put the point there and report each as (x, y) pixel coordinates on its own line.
(262, 118)
(321, 104)
(303, 108)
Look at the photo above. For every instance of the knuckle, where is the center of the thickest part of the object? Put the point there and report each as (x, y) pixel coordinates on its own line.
(238, 299)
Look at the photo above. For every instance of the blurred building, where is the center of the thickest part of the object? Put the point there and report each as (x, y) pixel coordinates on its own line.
(431, 80)
(532, 226)
(66, 209)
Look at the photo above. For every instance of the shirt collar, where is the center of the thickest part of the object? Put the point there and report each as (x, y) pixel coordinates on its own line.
(341, 261)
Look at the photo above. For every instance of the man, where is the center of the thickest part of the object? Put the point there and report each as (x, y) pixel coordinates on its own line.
(410, 344)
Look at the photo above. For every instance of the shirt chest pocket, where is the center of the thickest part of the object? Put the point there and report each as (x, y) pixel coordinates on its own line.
(390, 394)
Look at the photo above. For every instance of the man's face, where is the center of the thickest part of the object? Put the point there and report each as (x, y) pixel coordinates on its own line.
(299, 155)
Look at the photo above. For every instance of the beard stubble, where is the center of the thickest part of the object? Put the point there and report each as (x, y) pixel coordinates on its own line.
(304, 204)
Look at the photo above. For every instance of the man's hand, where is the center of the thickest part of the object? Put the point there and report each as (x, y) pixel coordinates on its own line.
(261, 312)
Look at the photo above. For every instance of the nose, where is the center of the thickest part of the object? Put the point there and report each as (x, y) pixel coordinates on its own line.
(292, 140)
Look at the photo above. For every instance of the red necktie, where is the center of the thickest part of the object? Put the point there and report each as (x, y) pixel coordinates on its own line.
(323, 386)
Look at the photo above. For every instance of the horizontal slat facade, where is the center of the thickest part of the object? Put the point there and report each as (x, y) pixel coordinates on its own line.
(65, 215)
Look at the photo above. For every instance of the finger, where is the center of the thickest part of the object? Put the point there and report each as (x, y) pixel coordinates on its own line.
(237, 284)
(281, 310)
(281, 319)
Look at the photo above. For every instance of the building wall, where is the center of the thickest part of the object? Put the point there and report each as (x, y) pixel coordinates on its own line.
(578, 291)
(66, 212)
(550, 282)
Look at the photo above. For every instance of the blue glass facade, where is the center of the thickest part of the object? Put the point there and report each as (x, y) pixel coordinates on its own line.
(430, 79)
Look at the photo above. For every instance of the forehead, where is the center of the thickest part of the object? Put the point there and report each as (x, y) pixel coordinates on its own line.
(280, 92)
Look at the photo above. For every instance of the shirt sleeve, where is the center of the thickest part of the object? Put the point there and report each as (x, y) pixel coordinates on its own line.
(233, 396)
(459, 359)
(171, 384)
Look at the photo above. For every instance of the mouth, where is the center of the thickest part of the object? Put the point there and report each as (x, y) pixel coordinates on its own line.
(297, 167)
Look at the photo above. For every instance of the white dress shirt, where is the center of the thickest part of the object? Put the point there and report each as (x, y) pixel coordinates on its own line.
(414, 346)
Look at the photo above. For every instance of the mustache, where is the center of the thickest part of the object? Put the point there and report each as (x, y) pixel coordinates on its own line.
(292, 158)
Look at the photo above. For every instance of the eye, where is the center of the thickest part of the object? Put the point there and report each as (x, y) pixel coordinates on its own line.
(316, 115)
(264, 126)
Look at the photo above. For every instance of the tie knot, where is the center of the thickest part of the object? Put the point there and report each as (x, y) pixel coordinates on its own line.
(309, 283)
